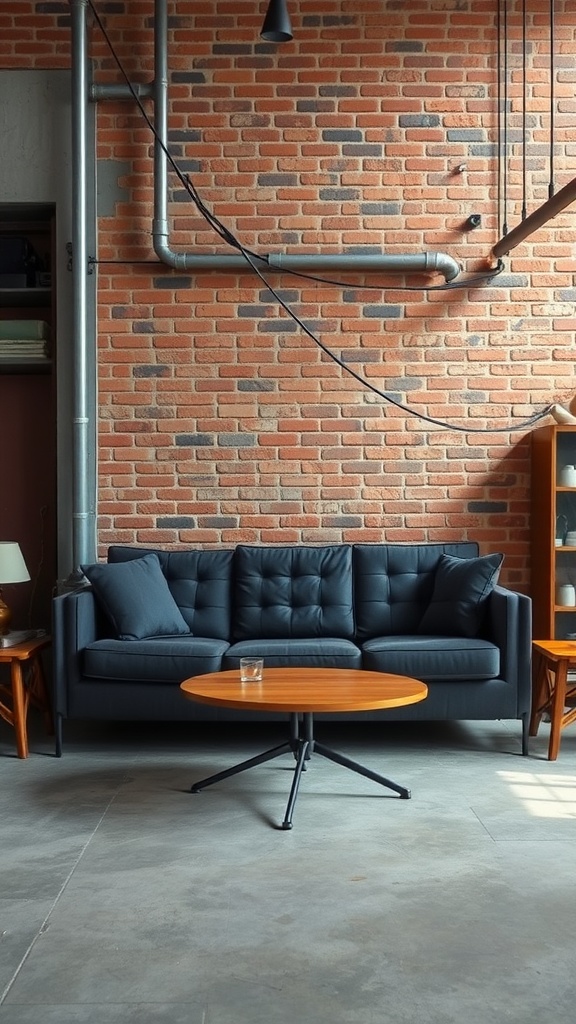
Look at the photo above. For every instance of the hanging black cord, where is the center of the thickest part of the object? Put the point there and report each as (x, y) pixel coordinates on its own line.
(505, 116)
(499, 114)
(551, 185)
(524, 100)
(254, 258)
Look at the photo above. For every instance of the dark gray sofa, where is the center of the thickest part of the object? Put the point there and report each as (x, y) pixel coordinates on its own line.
(385, 607)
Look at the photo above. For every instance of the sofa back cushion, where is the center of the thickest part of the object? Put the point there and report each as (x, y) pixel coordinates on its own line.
(200, 583)
(394, 583)
(292, 592)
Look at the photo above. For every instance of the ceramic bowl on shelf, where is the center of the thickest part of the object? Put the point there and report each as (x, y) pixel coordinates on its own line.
(567, 476)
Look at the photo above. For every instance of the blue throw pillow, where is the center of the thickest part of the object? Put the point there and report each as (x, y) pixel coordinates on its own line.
(461, 586)
(136, 598)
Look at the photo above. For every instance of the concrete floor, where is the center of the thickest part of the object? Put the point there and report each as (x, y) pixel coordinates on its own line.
(126, 898)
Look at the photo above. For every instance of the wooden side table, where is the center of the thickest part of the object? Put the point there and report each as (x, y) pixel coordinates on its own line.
(27, 684)
(551, 690)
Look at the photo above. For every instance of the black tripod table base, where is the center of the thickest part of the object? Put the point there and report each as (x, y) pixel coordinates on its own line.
(302, 744)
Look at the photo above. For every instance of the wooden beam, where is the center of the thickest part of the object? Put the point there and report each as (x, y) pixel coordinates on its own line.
(535, 220)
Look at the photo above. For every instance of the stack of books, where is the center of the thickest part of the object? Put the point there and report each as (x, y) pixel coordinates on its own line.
(24, 340)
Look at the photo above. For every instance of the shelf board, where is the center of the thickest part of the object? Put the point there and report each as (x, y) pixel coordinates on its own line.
(15, 365)
(25, 297)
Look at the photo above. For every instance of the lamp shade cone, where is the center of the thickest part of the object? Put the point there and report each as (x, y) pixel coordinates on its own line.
(12, 565)
(277, 27)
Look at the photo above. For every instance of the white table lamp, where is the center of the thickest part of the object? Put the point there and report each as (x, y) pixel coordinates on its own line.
(12, 570)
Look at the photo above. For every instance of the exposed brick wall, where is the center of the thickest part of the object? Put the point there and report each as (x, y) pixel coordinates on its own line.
(221, 421)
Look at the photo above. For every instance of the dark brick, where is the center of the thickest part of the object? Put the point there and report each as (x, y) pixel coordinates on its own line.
(287, 294)
(405, 383)
(465, 135)
(338, 194)
(360, 356)
(277, 179)
(188, 135)
(194, 440)
(474, 397)
(277, 326)
(419, 120)
(256, 385)
(342, 135)
(511, 281)
(405, 46)
(151, 371)
(487, 506)
(488, 150)
(315, 106)
(384, 312)
(232, 48)
(190, 165)
(380, 209)
(176, 522)
(188, 76)
(363, 149)
(237, 440)
(337, 90)
(172, 282)
(144, 327)
(253, 312)
(352, 522)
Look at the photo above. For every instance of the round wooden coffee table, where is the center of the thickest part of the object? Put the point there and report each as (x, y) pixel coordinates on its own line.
(300, 692)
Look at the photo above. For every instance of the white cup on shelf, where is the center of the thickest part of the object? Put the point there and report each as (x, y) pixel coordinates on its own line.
(567, 476)
(566, 595)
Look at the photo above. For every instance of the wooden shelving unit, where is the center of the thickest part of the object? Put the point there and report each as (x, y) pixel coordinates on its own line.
(553, 562)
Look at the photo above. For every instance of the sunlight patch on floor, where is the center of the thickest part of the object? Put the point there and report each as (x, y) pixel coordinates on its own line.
(544, 796)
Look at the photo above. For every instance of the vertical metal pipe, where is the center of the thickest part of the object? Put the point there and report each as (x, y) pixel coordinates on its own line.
(83, 538)
(160, 228)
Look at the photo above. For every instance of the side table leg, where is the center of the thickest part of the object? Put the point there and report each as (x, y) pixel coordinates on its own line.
(540, 692)
(557, 709)
(20, 708)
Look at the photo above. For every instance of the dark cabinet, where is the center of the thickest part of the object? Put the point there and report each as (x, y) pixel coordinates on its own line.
(28, 405)
(553, 529)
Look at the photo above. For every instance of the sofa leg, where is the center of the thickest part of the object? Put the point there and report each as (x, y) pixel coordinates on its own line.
(525, 733)
(58, 735)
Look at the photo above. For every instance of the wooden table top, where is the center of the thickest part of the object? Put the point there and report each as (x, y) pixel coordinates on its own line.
(557, 648)
(21, 652)
(306, 689)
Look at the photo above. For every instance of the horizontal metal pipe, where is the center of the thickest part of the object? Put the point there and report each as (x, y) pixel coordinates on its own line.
(119, 91)
(427, 262)
(535, 220)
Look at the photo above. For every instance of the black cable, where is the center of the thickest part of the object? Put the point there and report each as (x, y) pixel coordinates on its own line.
(524, 96)
(551, 186)
(499, 114)
(251, 257)
(505, 136)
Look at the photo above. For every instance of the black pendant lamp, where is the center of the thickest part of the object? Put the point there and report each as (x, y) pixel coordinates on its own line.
(277, 27)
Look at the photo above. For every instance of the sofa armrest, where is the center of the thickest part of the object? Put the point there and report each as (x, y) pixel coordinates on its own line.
(74, 626)
(510, 627)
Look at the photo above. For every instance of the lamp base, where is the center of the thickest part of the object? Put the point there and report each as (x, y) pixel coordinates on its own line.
(5, 616)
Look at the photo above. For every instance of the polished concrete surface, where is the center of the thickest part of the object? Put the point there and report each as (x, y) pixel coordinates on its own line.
(126, 898)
